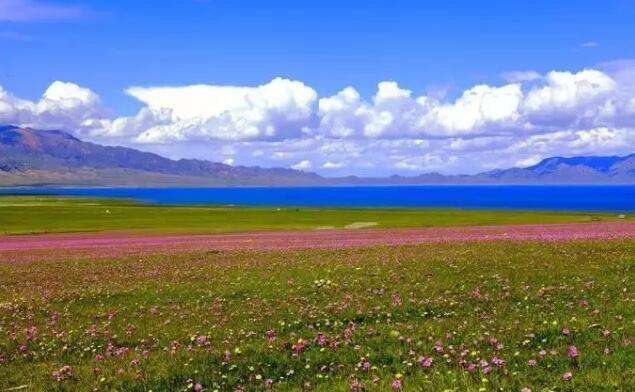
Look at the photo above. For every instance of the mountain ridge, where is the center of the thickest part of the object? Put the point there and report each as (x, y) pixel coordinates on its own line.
(30, 157)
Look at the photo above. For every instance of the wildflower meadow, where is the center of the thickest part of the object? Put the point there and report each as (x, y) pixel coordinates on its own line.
(450, 316)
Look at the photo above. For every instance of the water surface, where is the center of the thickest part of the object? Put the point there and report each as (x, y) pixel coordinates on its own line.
(541, 197)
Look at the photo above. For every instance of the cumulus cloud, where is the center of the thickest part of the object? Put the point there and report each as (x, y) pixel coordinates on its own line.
(279, 109)
(568, 97)
(63, 105)
(284, 123)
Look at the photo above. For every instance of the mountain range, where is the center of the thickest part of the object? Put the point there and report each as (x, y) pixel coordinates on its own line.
(31, 157)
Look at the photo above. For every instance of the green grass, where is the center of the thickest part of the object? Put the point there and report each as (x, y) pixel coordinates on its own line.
(33, 214)
(386, 305)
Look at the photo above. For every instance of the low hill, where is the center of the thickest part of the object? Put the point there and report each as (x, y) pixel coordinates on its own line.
(37, 157)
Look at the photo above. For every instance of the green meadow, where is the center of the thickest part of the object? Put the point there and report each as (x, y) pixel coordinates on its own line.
(489, 316)
(39, 214)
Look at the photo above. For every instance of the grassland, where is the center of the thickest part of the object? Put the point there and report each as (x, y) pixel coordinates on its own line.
(457, 316)
(34, 214)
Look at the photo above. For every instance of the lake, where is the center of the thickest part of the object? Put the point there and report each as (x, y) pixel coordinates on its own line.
(539, 197)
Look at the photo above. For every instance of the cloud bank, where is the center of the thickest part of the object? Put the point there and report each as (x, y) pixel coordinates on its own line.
(285, 122)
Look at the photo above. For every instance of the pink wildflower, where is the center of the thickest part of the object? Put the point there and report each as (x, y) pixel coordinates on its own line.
(531, 362)
(320, 339)
(31, 332)
(357, 386)
(396, 384)
(271, 335)
(572, 351)
(426, 362)
(298, 347)
(498, 361)
(64, 373)
(201, 340)
(567, 376)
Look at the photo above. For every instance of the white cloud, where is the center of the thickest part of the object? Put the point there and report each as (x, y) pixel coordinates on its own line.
(566, 90)
(279, 109)
(62, 106)
(478, 107)
(589, 44)
(333, 165)
(302, 165)
(31, 10)
(285, 123)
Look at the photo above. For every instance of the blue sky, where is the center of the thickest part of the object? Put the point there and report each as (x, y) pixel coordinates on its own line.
(438, 50)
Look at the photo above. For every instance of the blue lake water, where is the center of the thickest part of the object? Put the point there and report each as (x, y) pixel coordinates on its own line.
(581, 198)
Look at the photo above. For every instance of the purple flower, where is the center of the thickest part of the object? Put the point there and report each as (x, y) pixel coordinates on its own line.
(426, 362)
(572, 351)
(498, 361)
(396, 384)
(320, 339)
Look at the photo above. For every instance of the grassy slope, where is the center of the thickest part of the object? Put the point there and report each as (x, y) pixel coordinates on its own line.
(387, 305)
(57, 214)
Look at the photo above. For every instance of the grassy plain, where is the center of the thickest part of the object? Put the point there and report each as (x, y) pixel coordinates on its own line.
(484, 316)
(42, 214)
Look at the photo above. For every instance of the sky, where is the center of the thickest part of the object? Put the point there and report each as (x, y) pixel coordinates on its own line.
(371, 88)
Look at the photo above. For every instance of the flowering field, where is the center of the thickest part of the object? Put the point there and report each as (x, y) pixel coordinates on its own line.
(492, 315)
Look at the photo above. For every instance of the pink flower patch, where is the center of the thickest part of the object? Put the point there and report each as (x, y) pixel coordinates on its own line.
(426, 362)
(572, 351)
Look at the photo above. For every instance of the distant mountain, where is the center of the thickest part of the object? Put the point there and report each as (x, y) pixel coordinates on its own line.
(611, 169)
(35, 157)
